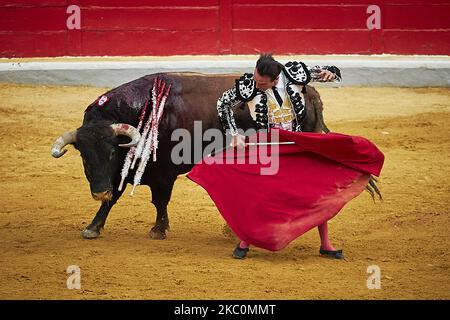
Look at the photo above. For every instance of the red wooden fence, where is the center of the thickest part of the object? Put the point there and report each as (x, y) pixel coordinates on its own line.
(30, 28)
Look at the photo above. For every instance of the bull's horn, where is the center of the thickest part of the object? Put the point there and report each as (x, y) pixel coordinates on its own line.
(67, 138)
(126, 130)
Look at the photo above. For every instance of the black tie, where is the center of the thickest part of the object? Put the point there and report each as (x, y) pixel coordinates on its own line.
(277, 96)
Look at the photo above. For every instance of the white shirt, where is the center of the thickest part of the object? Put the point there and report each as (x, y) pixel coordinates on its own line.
(281, 88)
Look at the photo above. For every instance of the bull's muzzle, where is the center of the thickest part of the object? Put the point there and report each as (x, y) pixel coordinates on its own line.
(102, 196)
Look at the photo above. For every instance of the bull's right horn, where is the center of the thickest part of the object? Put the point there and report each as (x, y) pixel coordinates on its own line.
(67, 138)
(127, 130)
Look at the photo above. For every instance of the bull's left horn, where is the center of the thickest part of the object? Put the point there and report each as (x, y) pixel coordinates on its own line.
(67, 138)
(126, 130)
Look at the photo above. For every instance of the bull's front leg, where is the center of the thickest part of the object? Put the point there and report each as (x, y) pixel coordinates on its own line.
(93, 230)
(161, 193)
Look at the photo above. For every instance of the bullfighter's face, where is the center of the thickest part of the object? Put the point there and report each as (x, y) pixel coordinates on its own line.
(263, 82)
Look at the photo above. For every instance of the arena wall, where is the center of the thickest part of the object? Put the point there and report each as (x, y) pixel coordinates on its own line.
(216, 27)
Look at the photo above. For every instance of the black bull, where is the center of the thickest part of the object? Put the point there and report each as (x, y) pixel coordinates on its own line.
(193, 97)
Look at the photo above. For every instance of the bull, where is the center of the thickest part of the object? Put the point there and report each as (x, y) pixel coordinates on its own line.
(108, 125)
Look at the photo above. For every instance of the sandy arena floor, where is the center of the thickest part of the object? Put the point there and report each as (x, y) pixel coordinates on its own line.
(46, 202)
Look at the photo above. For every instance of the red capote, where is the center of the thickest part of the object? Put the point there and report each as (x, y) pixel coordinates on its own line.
(316, 177)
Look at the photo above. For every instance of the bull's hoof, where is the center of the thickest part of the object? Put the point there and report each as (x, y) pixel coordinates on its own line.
(90, 234)
(157, 234)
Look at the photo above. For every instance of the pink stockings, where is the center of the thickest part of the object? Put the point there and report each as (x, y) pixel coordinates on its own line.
(243, 245)
(325, 243)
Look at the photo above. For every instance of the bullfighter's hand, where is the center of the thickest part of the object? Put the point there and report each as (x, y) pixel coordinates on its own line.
(238, 141)
(326, 76)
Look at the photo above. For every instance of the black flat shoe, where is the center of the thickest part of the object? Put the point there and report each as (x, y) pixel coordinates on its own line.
(240, 253)
(332, 254)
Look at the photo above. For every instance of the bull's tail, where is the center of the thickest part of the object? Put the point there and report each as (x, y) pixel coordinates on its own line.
(372, 188)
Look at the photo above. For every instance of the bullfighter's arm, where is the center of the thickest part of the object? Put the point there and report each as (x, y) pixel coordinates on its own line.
(317, 70)
(224, 105)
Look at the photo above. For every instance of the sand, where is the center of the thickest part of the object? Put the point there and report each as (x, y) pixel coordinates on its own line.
(46, 202)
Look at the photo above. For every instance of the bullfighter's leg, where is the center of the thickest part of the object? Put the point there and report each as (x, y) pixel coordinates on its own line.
(161, 192)
(326, 248)
(324, 239)
(93, 230)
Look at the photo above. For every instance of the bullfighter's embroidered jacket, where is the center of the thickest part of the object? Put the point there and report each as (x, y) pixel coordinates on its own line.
(295, 76)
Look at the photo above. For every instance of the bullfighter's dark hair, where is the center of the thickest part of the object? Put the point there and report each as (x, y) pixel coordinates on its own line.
(267, 66)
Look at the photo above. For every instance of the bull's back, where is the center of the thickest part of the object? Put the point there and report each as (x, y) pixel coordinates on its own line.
(197, 97)
(204, 87)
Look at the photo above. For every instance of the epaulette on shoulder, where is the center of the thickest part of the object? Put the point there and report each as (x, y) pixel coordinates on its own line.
(246, 87)
(297, 72)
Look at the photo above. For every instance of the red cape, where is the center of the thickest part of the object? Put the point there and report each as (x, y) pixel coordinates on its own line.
(316, 177)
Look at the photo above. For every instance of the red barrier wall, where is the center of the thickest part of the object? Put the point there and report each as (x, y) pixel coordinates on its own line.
(162, 27)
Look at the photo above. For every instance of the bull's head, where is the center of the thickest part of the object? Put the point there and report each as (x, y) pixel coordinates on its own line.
(98, 145)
